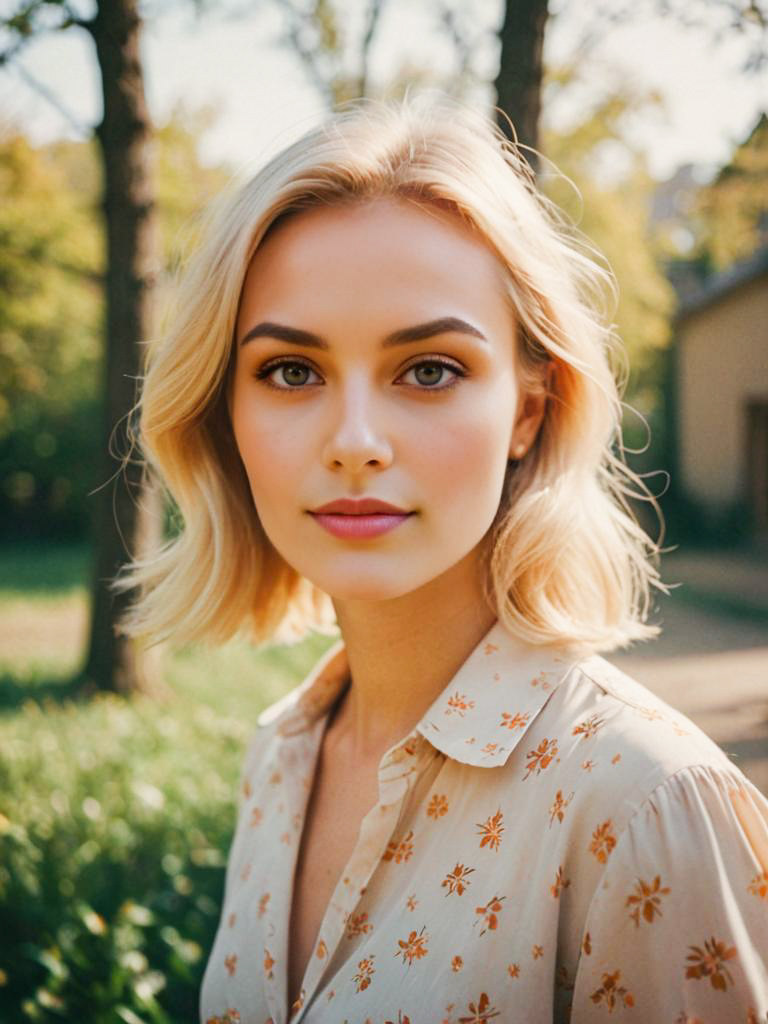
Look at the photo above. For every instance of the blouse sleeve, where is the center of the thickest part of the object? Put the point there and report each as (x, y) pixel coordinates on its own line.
(677, 931)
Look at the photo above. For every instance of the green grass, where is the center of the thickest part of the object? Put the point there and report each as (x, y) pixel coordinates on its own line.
(115, 815)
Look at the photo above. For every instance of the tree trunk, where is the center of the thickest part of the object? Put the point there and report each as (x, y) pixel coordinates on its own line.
(124, 136)
(518, 83)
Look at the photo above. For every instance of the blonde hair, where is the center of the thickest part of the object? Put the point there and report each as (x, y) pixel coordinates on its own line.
(568, 563)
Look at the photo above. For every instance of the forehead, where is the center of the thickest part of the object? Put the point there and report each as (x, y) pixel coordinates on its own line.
(376, 251)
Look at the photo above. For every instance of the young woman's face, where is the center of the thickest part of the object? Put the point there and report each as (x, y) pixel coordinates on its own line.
(332, 404)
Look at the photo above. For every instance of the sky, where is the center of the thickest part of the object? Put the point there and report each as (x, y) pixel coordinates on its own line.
(264, 100)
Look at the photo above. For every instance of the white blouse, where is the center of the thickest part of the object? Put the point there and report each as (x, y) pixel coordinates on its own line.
(551, 843)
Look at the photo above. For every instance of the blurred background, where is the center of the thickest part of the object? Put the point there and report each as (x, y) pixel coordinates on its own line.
(119, 121)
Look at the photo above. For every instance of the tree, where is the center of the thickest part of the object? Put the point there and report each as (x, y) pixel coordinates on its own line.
(518, 82)
(733, 209)
(124, 138)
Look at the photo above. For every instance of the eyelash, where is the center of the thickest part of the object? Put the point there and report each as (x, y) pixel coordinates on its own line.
(265, 371)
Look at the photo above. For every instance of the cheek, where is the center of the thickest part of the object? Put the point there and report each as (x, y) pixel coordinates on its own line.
(467, 456)
(266, 453)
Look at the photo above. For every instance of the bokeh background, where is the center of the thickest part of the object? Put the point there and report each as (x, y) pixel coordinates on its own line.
(118, 123)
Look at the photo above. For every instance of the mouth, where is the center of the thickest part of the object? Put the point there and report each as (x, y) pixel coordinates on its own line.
(358, 526)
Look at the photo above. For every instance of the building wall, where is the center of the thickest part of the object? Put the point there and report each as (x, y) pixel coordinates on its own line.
(722, 362)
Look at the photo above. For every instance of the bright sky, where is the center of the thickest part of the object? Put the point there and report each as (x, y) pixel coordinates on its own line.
(264, 98)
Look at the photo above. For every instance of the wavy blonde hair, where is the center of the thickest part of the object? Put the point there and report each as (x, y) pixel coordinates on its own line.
(568, 561)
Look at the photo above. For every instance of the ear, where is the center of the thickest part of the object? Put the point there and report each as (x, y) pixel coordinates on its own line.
(533, 406)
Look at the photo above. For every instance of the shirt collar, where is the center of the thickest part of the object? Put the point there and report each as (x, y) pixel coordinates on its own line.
(480, 716)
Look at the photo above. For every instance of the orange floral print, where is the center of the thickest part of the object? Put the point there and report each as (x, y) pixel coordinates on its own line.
(710, 963)
(263, 904)
(587, 944)
(230, 962)
(401, 850)
(456, 881)
(269, 963)
(603, 841)
(438, 806)
(516, 721)
(402, 1018)
(646, 900)
(612, 994)
(489, 648)
(491, 831)
(540, 758)
(561, 882)
(616, 758)
(542, 681)
(358, 925)
(231, 920)
(650, 713)
(557, 810)
(321, 950)
(759, 886)
(411, 903)
(683, 1018)
(365, 971)
(587, 766)
(414, 947)
(481, 1011)
(256, 816)
(537, 952)
(456, 964)
(513, 970)
(489, 914)
(490, 748)
(247, 790)
(459, 704)
(588, 727)
(245, 874)
(231, 1016)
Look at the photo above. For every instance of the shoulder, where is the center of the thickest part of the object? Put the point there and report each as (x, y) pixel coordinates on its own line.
(608, 712)
(617, 743)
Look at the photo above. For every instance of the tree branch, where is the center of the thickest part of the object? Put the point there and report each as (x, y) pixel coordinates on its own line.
(85, 132)
(374, 13)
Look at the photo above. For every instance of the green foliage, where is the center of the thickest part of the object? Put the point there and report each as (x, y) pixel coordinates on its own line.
(610, 205)
(114, 831)
(733, 209)
(51, 272)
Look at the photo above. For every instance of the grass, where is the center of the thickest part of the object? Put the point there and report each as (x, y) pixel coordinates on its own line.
(116, 814)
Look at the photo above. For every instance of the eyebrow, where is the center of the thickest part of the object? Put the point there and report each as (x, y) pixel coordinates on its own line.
(404, 336)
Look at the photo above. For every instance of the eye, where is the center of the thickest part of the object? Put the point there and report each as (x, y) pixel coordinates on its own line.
(294, 377)
(295, 374)
(430, 371)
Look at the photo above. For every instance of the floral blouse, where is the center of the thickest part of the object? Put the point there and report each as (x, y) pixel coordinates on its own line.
(551, 843)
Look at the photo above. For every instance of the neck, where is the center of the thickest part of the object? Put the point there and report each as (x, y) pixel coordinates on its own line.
(402, 653)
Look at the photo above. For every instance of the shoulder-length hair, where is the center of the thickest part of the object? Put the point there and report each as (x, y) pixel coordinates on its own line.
(568, 564)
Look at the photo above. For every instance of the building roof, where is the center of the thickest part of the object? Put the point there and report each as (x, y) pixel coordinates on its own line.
(716, 287)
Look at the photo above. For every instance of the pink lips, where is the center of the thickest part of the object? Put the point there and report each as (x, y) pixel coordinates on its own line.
(364, 517)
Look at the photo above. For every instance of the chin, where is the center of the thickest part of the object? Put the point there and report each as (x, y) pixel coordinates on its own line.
(366, 587)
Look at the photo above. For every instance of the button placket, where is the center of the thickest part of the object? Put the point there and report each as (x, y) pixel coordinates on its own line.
(376, 830)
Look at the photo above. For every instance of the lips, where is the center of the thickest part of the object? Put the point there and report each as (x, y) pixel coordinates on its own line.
(358, 519)
(360, 507)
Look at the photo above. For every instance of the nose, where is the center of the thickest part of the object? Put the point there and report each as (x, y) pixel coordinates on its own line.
(357, 437)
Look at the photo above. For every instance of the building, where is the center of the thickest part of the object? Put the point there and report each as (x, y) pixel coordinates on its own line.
(719, 396)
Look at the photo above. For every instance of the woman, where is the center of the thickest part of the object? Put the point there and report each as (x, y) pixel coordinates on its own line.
(387, 402)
